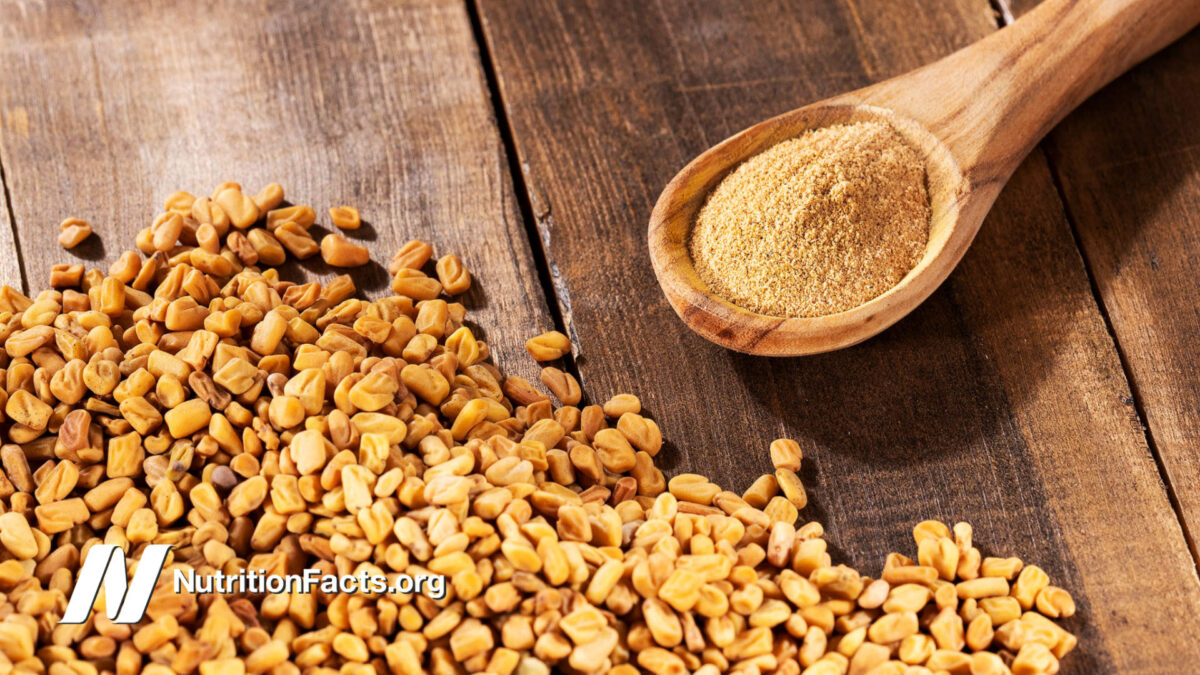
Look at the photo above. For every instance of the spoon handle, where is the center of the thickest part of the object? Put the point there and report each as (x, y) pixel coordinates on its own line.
(992, 102)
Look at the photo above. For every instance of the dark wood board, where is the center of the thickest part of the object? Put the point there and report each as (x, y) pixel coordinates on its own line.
(1001, 401)
(1128, 165)
(370, 103)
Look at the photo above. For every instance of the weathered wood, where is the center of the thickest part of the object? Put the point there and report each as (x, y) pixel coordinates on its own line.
(371, 103)
(10, 268)
(1000, 401)
(1128, 166)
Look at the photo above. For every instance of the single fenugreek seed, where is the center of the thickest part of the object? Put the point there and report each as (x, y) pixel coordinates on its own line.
(453, 274)
(563, 385)
(792, 488)
(412, 255)
(345, 217)
(785, 454)
(548, 346)
(17, 537)
(73, 231)
(338, 251)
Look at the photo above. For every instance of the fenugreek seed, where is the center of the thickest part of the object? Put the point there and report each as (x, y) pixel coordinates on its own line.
(199, 400)
(563, 385)
(916, 649)
(453, 274)
(25, 408)
(268, 198)
(267, 248)
(345, 217)
(412, 255)
(1001, 567)
(792, 488)
(241, 209)
(691, 487)
(415, 284)
(907, 597)
(930, 529)
(1034, 659)
(947, 630)
(73, 231)
(941, 554)
(548, 346)
(979, 632)
(621, 404)
(66, 276)
(338, 251)
(786, 454)
(16, 536)
(1001, 610)
(187, 418)
(1055, 602)
(303, 216)
(1029, 583)
(614, 451)
(266, 657)
(61, 516)
(247, 496)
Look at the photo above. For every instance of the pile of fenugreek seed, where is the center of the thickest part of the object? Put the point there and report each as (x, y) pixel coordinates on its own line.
(191, 397)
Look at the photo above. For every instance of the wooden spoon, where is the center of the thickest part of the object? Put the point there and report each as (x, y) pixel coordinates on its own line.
(974, 115)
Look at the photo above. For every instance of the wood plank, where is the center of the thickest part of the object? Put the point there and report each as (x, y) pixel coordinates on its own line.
(1001, 401)
(1128, 164)
(10, 267)
(370, 103)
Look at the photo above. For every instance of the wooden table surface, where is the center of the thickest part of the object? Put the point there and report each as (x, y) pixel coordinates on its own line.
(1049, 393)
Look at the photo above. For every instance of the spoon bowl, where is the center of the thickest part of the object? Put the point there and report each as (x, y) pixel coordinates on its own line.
(737, 328)
(972, 116)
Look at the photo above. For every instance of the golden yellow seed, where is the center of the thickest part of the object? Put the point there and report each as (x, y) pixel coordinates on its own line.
(412, 255)
(786, 454)
(1029, 583)
(1055, 602)
(73, 231)
(792, 488)
(453, 274)
(269, 198)
(241, 209)
(338, 251)
(548, 346)
(188, 418)
(413, 283)
(345, 217)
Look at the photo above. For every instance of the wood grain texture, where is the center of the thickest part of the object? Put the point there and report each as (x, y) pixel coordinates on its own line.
(1128, 164)
(370, 103)
(10, 267)
(1000, 401)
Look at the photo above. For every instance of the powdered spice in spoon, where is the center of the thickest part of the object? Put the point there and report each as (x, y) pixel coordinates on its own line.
(815, 225)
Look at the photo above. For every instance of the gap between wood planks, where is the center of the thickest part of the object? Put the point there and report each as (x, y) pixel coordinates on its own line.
(1005, 17)
(552, 283)
(12, 227)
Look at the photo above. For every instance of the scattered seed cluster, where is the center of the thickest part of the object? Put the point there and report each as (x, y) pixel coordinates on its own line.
(193, 398)
(815, 225)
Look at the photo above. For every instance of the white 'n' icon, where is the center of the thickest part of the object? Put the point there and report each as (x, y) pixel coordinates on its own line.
(125, 602)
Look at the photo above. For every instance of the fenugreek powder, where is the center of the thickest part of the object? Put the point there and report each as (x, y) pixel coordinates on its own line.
(815, 225)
